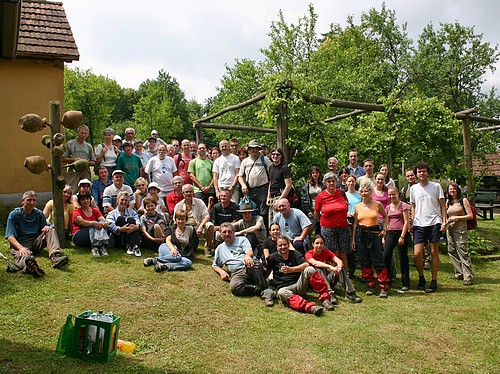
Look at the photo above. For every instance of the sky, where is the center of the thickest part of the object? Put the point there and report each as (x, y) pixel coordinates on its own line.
(194, 40)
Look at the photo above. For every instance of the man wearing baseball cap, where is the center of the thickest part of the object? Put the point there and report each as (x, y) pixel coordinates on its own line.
(111, 192)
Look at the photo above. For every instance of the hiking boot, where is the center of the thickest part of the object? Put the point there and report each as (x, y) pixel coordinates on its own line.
(149, 262)
(333, 298)
(370, 291)
(159, 267)
(129, 249)
(383, 294)
(33, 268)
(316, 310)
(421, 283)
(268, 295)
(352, 297)
(432, 287)
(137, 251)
(328, 305)
(59, 261)
(104, 251)
(94, 252)
(208, 251)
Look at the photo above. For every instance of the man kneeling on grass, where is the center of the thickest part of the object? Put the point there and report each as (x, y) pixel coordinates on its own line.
(247, 275)
(29, 233)
(292, 275)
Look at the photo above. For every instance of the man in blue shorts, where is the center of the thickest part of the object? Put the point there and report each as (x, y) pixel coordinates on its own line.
(429, 222)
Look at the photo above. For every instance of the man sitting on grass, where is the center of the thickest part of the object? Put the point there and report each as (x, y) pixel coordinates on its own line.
(247, 275)
(29, 233)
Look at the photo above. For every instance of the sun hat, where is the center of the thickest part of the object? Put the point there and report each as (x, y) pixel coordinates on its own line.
(246, 207)
(154, 185)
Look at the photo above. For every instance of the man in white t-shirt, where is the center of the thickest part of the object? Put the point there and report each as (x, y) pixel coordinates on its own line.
(225, 172)
(161, 169)
(429, 222)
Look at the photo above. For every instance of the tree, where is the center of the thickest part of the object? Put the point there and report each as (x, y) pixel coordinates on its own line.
(96, 96)
(161, 105)
(451, 63)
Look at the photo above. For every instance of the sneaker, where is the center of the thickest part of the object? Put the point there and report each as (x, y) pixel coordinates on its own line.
(383, 294)
(421, 284)
(130, 251)
(427, 266)
(104, 251)
(468, 283)
(432, 287)
(149, 262)
(328, 305)
(370, 291)
(352, 297)
(33, 268)
(316, 310)
(95, 252)
(333, 298)
(268, 295)
(59, 261)
(159, 267)
(137, 251)
(457, 277)
(405, 288)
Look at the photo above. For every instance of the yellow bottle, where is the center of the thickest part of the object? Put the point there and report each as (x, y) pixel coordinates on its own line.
(125, 346)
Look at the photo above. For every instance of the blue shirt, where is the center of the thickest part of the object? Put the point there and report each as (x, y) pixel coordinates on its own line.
(357, 172)
(24, 226)
(292, 226)
(97, 192)
(232, 256)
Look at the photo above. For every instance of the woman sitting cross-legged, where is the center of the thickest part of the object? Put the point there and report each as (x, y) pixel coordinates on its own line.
(124, 225)
(89, 227)
(180, 245)
(153, 225)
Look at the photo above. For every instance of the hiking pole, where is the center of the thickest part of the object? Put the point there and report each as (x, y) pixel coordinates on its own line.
(11, 267)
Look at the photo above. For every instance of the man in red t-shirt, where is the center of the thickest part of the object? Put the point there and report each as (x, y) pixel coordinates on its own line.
(332, 269)
(182, 161)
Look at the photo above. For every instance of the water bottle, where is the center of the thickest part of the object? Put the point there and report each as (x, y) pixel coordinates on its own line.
(92, 335)
(108, 317)
(125, 346)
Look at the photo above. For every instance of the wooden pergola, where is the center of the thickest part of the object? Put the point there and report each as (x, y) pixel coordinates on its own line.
(281, 130)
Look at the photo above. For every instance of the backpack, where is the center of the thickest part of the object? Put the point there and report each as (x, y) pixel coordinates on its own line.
(471, 223)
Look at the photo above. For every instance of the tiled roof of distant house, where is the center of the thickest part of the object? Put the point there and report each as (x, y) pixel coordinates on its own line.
(489, 167)
(45, 33)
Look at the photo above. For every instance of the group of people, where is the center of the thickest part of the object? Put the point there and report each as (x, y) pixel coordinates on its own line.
(166, 201)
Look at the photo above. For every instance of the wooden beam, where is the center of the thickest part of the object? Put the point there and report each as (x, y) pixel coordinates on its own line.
(344, 103)
(469, 111)
(232, 107)
(232, 127)
(345, 115)
(461, 116)
(488, 128)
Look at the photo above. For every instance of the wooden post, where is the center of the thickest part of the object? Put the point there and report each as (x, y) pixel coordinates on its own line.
(199, 133)
(468, 157)
(282, 134)
(56, 171)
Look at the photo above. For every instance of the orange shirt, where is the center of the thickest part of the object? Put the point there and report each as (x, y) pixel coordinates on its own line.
(367, 216)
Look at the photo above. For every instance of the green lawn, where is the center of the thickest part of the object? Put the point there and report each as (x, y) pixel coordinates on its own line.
(189, 322)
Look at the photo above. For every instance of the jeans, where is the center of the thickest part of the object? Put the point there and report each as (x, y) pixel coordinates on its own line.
(391, 241)
(176, 262)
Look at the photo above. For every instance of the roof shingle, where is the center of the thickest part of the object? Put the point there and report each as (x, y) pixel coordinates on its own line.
(45, 33)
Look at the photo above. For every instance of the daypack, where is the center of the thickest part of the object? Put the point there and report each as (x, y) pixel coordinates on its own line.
(471, 223)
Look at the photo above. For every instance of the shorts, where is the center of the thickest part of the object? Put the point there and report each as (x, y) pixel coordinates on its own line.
(427, 234)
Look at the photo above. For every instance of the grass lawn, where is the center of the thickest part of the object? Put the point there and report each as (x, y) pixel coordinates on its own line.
(189, 322)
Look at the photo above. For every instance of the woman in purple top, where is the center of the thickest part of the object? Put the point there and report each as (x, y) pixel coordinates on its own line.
(397, 234)
(379, 193)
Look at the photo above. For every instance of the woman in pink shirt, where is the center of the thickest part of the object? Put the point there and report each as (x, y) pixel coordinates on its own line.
(397, 234)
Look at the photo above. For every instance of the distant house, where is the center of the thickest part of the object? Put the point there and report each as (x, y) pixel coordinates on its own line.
(489, 169)
(35, 42)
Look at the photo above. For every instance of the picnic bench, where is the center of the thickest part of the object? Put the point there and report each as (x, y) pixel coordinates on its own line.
(484, 201)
